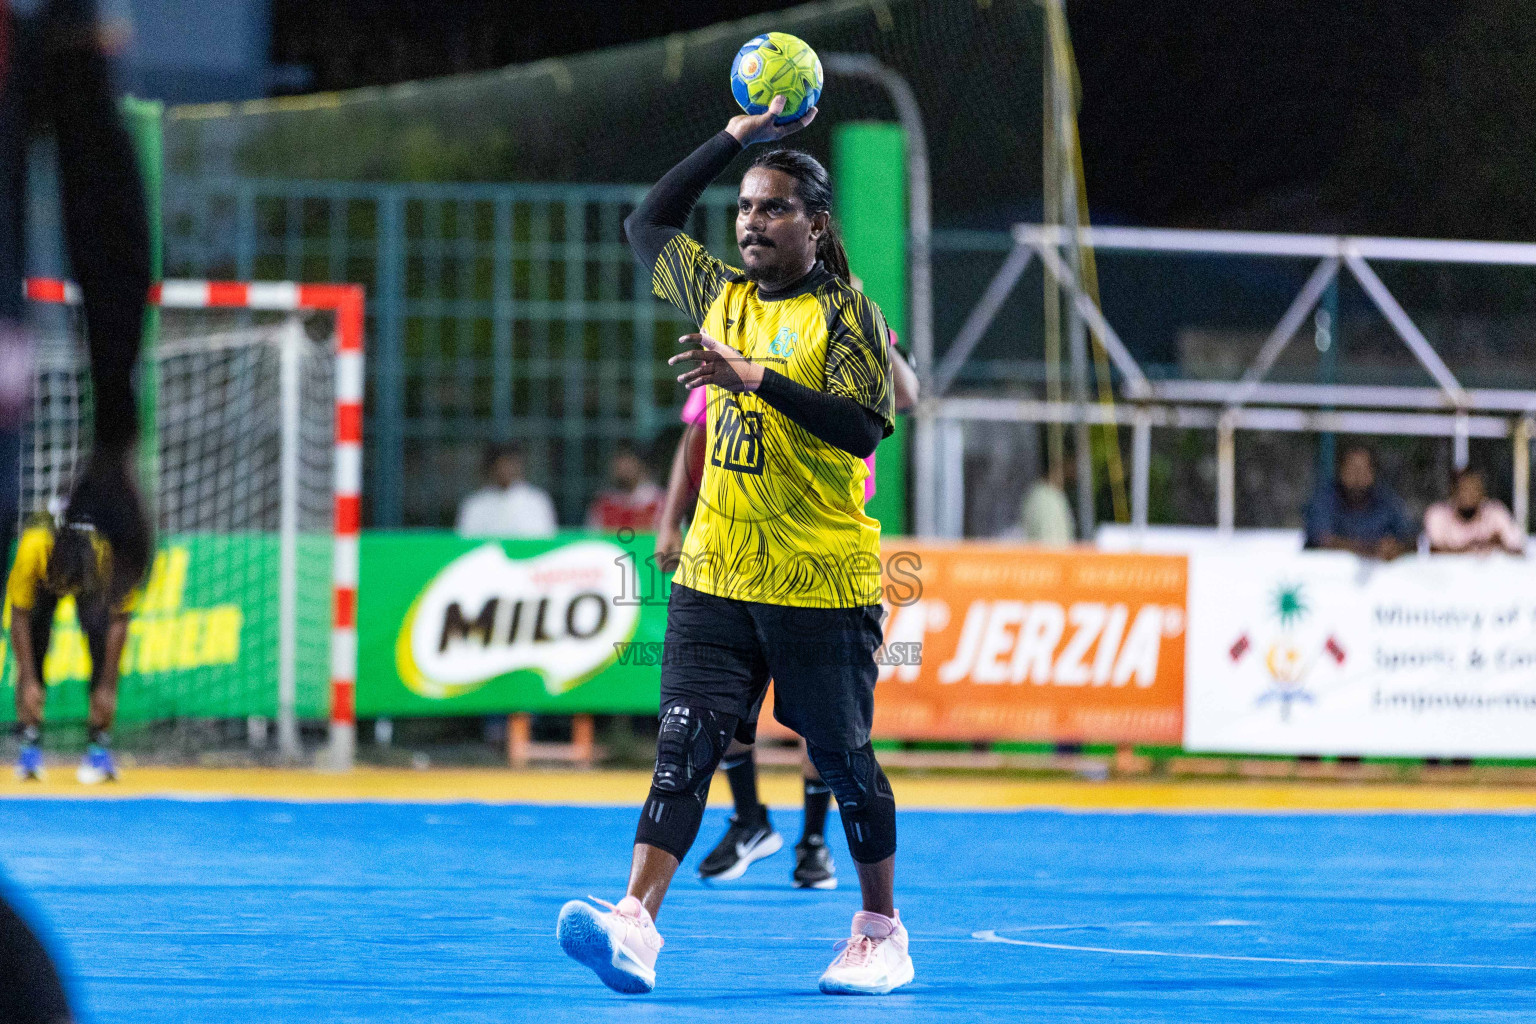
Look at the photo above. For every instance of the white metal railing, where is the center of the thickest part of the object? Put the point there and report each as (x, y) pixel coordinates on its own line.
(1250, 402)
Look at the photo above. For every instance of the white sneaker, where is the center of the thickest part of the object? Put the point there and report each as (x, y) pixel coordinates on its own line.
(96, 767)
(619, 944)
(873, 961)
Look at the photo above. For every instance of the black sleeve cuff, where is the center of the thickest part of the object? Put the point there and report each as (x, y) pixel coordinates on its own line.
(840, 422)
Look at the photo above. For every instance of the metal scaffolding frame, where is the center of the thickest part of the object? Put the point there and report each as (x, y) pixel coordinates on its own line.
(1249, 403)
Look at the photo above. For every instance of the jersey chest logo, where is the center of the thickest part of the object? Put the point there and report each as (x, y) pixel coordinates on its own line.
(783, 343)
(738, 440)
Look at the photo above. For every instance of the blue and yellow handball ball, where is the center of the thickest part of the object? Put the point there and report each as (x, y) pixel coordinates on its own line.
(776, 64)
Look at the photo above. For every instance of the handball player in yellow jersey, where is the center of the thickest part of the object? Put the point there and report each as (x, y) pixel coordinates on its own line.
(780, 573)
(52, 563)
(749, 834)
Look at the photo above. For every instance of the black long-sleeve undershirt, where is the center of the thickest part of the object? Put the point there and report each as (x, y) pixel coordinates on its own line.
(840, 422)
(663, 213)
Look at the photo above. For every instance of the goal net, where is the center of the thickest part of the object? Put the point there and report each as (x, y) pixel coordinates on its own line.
(246, 615)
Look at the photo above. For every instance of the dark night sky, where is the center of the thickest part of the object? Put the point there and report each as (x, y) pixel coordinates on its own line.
(1378, 116)
(1202, 110)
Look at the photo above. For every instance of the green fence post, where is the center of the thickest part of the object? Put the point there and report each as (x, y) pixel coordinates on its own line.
(869, 173)
(142, 118)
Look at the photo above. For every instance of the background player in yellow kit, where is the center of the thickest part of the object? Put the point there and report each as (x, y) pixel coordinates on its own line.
(52, 563)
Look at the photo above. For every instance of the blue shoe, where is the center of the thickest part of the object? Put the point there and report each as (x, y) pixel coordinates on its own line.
(29, 766)
(96, 766)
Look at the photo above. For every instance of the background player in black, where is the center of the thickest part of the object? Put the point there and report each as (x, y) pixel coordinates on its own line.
(54, 77)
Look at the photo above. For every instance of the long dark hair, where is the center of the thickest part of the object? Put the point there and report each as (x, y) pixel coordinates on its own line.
(813, 187)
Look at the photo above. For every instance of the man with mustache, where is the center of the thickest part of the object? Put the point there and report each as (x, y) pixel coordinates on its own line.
(780, 573)
(750, 835)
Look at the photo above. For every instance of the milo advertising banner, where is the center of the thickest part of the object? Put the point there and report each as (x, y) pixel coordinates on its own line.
(448, 626)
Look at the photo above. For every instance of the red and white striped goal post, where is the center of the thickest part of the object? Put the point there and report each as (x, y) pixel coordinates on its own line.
(345, 301)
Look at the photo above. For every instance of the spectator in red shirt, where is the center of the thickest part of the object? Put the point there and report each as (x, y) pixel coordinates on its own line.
(634, 501)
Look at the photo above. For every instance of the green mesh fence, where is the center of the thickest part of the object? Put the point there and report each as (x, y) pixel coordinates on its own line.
(484, 213)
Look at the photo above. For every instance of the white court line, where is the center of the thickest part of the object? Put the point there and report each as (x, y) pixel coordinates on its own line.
(992, 936)
(1223, 923)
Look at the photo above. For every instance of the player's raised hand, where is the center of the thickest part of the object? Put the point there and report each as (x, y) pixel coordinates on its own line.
(719, 364)
(750, 128)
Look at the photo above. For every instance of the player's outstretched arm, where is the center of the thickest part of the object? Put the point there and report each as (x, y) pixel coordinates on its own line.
(107, 233)
(663, 213)
(29, 689)
(103, 709)
(105, 223)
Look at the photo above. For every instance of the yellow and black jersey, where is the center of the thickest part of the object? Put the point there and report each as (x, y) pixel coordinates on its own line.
(780, 516)
(29, 574)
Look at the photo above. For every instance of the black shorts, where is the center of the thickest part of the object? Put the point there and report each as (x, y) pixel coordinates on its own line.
(720, 654)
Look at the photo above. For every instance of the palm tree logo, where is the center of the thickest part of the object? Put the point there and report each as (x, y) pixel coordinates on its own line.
(1285, 661)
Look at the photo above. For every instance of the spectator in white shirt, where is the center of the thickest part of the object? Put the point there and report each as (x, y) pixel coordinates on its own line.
(508, 506)
(1047, 515)
(1470, 522)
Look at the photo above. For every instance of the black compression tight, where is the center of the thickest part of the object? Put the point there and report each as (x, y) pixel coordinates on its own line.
(864, 799)
(689, 747)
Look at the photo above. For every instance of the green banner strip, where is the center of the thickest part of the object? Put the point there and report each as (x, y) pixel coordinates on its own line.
(143, 120)
(203, 640)
(869, 168)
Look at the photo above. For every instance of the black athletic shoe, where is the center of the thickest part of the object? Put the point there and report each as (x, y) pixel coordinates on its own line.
(813, 864)
(743, 844)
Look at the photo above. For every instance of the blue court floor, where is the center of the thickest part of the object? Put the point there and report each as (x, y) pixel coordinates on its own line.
(231, 912)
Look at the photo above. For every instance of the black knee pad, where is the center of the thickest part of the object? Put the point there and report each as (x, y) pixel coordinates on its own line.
(688, 749)
(864, 799)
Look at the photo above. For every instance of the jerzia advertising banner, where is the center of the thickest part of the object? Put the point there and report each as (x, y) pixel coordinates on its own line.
(1322, 653)
(987, 642)
(982, 642)
(448, 626)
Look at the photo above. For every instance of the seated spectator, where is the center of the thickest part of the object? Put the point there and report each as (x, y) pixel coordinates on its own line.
(1470, 522)
(1047, 515)
(634, 501)
(508, 505)
(1358, 513)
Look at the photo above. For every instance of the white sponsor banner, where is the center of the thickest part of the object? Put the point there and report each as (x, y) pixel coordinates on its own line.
(1323, 653)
